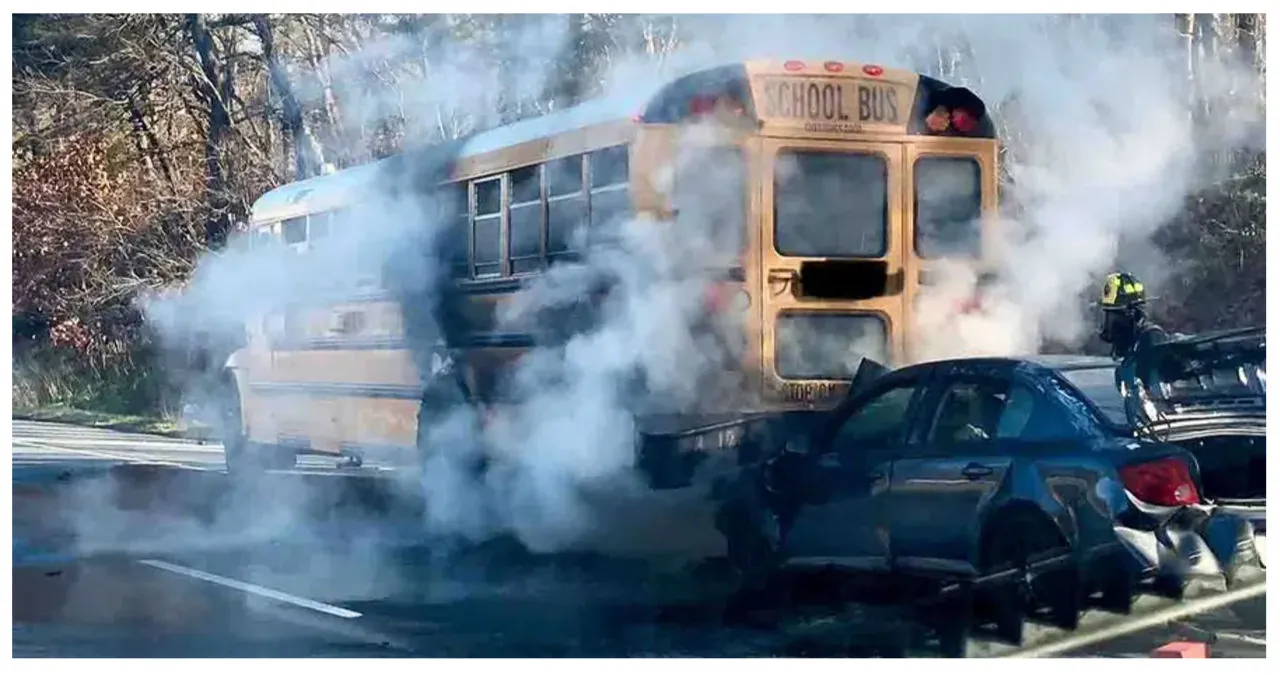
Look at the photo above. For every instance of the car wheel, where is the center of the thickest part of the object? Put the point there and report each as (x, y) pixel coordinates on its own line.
(1017, 542)
(753, 532)
(753, 536)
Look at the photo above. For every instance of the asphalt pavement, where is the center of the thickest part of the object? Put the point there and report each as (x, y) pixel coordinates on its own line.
(127, 545)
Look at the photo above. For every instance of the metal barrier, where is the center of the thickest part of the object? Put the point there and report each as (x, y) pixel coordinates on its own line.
(1125, 608)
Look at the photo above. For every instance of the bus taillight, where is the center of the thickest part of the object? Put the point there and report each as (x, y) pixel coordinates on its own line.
(960, 119)
(708, 105)
(939, 120)
(964, 121)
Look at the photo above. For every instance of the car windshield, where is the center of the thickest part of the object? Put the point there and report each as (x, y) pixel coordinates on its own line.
(1099, 385)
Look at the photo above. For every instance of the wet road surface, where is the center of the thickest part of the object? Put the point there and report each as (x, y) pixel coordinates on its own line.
(136, 546)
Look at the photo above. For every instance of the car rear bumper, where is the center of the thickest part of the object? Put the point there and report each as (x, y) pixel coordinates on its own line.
(1255, 512)
(1197, 542)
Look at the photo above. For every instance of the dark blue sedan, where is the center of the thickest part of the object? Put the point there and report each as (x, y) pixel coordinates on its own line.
(972, 467)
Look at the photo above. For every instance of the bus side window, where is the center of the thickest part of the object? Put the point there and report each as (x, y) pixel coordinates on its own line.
(566, 206)
(370, 255)
(457, 235)
(487, 227)
(948, 207)
(295, 230)
(525, 221)
(263, 236)
(610, 199)
(711, 197)
(318, 225)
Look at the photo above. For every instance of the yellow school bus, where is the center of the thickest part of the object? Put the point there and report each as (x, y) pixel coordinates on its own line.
(848, 184)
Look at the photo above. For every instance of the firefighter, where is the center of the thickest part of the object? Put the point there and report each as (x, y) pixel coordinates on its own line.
(1124, 319)
(446, 385)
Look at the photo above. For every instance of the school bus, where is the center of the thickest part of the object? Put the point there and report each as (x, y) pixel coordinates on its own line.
(846, 186)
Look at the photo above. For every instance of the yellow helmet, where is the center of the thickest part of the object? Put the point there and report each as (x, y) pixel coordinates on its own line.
(1122, 290)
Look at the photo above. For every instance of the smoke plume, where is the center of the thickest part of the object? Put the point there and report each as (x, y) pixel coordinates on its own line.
(1104, 152)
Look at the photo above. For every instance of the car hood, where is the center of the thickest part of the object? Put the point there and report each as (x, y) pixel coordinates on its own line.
(1216, 380)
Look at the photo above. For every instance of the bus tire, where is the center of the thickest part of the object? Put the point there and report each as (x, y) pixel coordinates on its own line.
(242, 456)
(237, 452)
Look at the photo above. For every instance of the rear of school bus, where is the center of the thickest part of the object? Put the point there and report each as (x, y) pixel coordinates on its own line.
(859, 182)
(869, 178)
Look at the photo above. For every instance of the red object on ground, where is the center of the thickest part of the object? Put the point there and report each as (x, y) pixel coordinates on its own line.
(1182, 650)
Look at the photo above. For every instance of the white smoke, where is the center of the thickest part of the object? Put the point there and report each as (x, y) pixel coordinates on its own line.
(1106, 153)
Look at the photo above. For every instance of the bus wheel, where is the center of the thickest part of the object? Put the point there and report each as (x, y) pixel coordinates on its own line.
(236, 450)
(243, 457)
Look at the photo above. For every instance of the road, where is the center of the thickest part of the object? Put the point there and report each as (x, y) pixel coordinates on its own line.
(136, 546)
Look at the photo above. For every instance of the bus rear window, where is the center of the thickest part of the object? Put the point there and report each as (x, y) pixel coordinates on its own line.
(827, 345)
(948, 207)
(830, 204)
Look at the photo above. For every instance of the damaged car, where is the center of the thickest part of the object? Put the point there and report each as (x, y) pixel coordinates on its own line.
(975, 468)
(1207, 395)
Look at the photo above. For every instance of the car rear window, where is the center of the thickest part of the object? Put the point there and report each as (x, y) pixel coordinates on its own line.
(1099, 386)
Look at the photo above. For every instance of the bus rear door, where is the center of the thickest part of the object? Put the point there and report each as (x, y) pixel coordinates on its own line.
(832, 263)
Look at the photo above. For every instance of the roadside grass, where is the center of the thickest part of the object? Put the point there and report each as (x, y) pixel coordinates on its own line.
(53, 384)
(142, 424)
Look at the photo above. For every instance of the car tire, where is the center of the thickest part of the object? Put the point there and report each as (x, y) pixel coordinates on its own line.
(752, 531)
(1018, 539)
(753, 536)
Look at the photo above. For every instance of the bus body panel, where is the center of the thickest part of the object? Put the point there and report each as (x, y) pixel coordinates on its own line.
(340, 374)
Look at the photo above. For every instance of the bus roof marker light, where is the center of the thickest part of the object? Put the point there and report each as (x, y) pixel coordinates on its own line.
(833, 66)
(793, 65)
(873, 70)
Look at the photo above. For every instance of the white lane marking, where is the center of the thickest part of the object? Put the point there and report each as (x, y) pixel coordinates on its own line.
(133, 458)
(1247, 639)
(157, 445)
(253, 589)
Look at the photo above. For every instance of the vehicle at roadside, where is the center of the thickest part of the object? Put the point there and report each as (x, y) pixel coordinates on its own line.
(1208, 395)
(966, 468)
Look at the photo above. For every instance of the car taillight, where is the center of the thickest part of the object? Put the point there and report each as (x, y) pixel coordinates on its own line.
(1164, 482)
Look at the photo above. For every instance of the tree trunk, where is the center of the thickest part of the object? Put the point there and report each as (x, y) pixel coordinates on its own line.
(148, 144)
(308, 155)
(1247, 39)
(509, 103)
(565, 86)
(219, 126)
(1203, 51)
(317, 56)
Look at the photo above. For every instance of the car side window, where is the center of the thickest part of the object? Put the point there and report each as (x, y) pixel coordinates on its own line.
(1028, 417)
(883, 419)
(970, 410)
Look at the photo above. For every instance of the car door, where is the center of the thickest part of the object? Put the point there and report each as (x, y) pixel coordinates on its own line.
(940, 485)
(844, 520)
